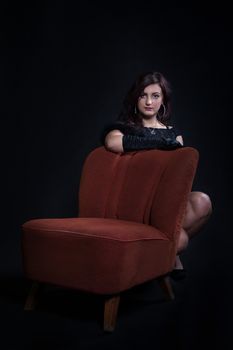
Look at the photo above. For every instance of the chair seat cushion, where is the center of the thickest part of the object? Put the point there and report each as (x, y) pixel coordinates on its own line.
(94, 254)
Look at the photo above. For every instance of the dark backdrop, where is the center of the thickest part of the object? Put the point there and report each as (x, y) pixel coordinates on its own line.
(65, 68)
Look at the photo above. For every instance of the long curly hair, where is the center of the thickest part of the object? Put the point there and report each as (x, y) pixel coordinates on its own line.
(129, 114)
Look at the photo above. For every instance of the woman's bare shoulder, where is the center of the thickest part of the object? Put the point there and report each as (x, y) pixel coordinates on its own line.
(114, 132)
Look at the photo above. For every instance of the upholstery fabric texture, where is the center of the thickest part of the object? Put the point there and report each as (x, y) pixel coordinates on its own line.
(131, 207)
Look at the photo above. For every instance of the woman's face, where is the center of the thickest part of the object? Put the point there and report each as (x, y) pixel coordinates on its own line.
(150, 100)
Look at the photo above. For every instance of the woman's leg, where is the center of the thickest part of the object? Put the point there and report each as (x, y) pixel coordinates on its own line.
(198, 211)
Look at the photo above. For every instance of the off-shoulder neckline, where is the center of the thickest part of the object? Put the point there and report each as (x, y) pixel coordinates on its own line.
(166, 128)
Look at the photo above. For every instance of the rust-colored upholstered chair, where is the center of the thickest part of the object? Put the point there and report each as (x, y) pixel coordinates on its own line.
(131, 207)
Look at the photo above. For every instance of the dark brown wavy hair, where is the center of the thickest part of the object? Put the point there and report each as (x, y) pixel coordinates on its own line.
(128, 115)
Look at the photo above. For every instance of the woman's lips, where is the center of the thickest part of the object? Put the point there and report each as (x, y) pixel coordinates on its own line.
(148, 108)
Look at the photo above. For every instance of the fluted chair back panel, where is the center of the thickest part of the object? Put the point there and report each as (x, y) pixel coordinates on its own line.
(138, 186)
(121, 186)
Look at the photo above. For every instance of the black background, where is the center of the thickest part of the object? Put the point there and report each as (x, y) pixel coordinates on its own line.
(65, 68)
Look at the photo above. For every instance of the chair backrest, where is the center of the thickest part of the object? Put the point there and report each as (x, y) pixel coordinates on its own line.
(149, 186)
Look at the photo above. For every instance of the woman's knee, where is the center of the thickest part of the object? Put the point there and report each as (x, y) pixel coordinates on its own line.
(201, 204)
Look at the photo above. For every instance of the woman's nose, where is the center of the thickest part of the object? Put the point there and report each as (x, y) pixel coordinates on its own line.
(148, 100)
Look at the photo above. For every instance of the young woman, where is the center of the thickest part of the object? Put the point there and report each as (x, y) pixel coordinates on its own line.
(144, 124)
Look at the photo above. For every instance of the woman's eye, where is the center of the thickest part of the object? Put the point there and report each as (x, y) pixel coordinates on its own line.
(152, 96)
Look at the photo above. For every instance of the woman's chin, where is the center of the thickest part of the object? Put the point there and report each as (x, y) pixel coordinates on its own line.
(148, 115)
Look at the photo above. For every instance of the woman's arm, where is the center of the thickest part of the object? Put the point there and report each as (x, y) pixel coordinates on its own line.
(116, 141)
(113, 141)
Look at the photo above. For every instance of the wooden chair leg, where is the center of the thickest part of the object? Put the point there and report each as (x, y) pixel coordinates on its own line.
(31, 298)
(166, 286)
(110, 313)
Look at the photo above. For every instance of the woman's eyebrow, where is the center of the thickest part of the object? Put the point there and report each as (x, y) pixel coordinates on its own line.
(145, 93)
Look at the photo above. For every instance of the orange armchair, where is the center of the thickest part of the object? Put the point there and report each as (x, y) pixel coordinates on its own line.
(131, 207)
